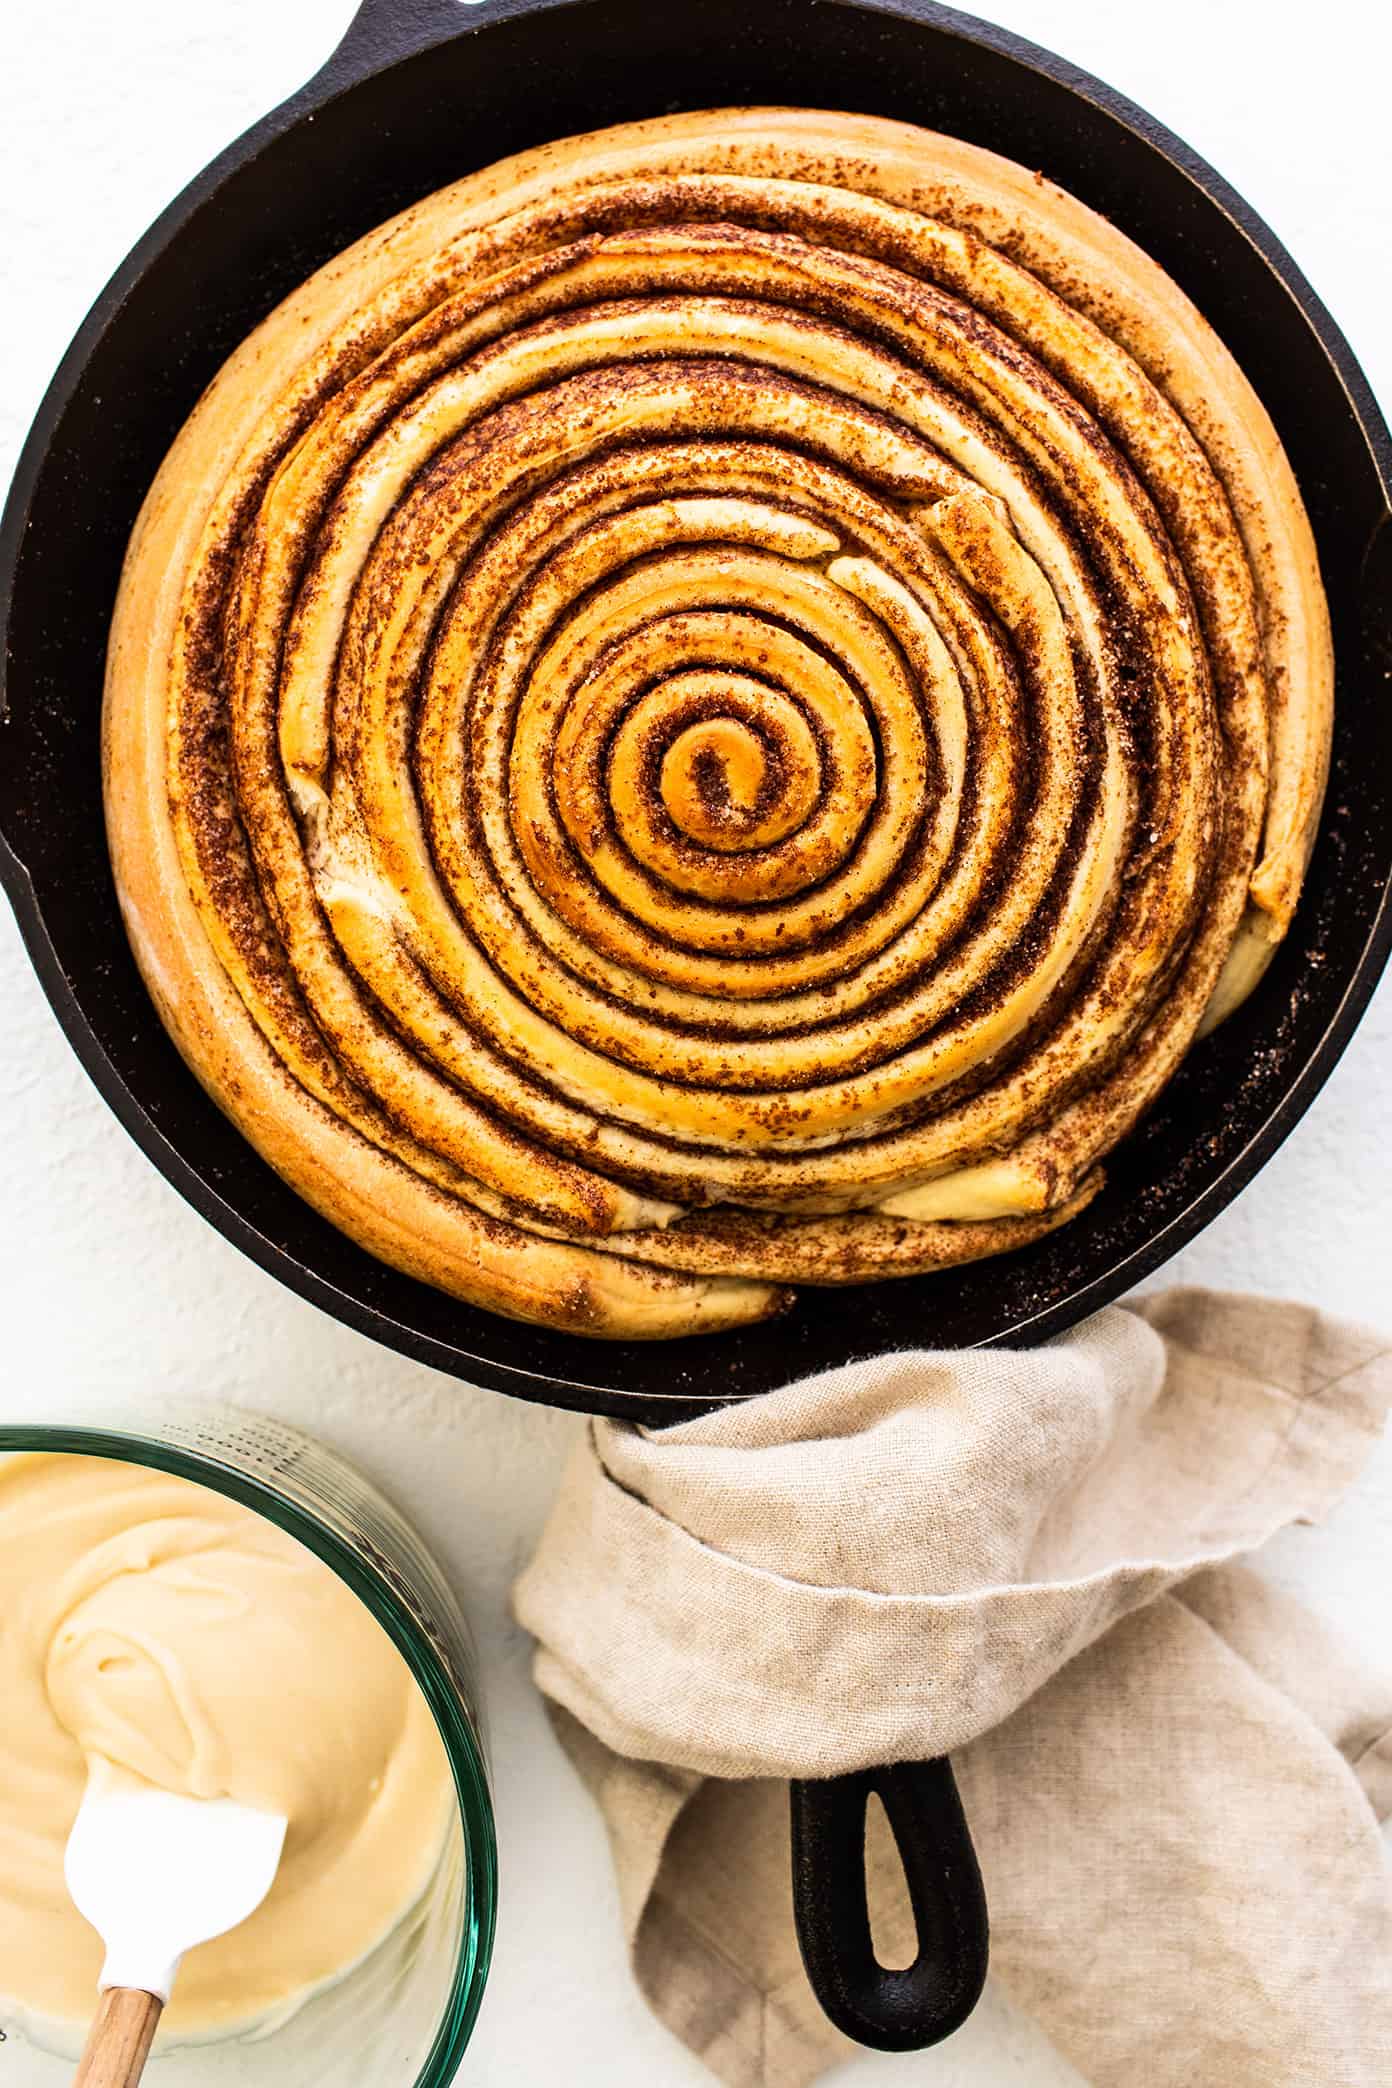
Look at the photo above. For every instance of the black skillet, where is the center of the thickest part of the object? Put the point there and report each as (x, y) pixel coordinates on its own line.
(418, 93)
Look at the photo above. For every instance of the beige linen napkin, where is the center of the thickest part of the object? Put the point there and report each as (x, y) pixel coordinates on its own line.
(1174, 1778)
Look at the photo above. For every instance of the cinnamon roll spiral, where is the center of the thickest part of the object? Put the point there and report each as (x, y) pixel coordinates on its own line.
(714, 707)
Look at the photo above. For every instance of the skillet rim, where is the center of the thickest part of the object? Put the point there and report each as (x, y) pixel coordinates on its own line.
(383, 35)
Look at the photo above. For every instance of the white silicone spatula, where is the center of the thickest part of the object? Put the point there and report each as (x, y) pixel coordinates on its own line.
(156, 1874)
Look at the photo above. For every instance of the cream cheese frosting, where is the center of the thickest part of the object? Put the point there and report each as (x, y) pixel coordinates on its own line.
(153, 1625)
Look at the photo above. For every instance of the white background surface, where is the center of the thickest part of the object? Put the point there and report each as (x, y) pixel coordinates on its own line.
(110, 1282)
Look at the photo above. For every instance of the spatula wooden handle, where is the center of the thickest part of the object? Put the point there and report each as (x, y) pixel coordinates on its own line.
(120, 2039)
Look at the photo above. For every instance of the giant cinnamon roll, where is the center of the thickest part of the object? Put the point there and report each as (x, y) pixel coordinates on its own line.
(714, 707)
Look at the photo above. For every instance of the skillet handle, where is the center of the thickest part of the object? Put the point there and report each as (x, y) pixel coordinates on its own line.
(382, 31)
(907, 2010)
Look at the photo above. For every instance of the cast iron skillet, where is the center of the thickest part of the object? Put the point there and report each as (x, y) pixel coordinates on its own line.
(418, 93)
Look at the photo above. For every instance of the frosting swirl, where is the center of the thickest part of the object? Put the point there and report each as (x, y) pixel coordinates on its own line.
(712, 708)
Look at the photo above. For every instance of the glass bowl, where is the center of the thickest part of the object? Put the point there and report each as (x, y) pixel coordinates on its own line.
(403, 2017)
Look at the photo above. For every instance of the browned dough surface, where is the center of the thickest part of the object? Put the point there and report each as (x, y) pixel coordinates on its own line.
(713, 707)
